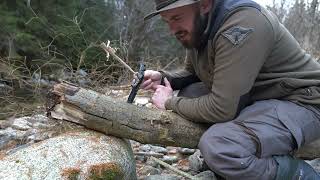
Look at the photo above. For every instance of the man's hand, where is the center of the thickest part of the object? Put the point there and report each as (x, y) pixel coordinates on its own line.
(162, 94)
(151, 80)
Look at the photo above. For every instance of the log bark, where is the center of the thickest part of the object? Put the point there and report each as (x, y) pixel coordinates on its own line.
(116, 117)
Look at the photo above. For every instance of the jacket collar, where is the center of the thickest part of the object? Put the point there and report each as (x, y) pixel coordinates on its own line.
(211, 19)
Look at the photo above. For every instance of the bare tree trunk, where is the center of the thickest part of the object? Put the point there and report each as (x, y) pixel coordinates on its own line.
(118, 118)
(111, 116)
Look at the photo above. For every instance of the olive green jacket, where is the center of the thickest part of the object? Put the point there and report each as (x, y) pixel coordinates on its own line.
(263, 62)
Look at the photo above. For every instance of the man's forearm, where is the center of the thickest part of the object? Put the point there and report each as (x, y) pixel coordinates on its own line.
(179, 79)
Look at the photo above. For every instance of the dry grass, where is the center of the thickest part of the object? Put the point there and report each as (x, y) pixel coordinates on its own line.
(21, 96)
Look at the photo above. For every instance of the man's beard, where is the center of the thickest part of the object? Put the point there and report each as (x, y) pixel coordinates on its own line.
(199, 26)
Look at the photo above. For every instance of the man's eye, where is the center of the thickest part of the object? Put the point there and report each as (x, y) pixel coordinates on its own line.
(177, 19)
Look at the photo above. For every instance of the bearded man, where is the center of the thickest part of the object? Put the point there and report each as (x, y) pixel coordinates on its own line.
(247, 76)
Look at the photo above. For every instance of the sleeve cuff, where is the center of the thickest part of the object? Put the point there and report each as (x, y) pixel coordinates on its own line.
(171, 103)
(164, 75)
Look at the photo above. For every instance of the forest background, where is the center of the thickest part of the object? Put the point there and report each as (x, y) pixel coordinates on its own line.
(45, 42)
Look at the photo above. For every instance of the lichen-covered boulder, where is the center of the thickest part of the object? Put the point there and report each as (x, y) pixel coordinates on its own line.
(73, 155)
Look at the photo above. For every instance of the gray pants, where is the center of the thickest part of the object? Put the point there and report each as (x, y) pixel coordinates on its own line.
(242, 149)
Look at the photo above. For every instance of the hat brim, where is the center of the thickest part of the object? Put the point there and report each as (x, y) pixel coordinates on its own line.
(174, 5)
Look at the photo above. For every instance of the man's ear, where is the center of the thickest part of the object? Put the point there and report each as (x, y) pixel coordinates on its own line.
(205, 6)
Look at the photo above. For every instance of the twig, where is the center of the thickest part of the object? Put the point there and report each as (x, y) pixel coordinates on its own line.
(169, 64)
(173, 168)
(111, 51)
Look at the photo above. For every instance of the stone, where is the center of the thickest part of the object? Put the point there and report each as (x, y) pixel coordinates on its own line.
(82, 73)
(196, 162)
(152, 163)
(116, 93)
(183, 165)
(13, 133)
(145, 148)
(21, 124)
(4, 140)
(149, 170)
(170, 159)
(150, 105)
(159, 149)
(161, 177)
(40, 125)
(5, 89)
(140, 158)
(134, 143)
(141, 101)
(82, 154)
(40, 136)
(206, 175)
(4, 124)
(172, 150)
(187, 151)
(39, 118)
(44, 82)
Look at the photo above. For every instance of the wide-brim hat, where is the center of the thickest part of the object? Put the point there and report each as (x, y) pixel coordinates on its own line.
(164, 5)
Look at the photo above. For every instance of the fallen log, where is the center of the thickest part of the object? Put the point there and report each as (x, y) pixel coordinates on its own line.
(116, 117)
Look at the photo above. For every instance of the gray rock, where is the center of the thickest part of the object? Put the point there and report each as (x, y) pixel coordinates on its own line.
(149, 105)
(44, 82)
(149, 170)
(83, 81)
(21, 124)
(5, 89)
(4, 124)
(40, 125)
(170, 159)
(162, 177)
(17, 148)
(187, 151)
(7, 132)
(152, 163)
(39, 118)
(172, 150)
(141, 101)
(184, 168)
(159, 149)
(4, 140)
(84, 154)
(134, 144)
(40, 136)
(206, 175)
(141, 158)
(36, 77)
(82, 73)
(145, 148)
(13, 133)
(26, 130)
(196, 162)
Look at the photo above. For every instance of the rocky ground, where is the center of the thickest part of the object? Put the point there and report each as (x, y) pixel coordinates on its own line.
(16, 133)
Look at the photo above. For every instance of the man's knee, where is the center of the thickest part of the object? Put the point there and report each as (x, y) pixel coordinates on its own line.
(213, 144)
(224, 144)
